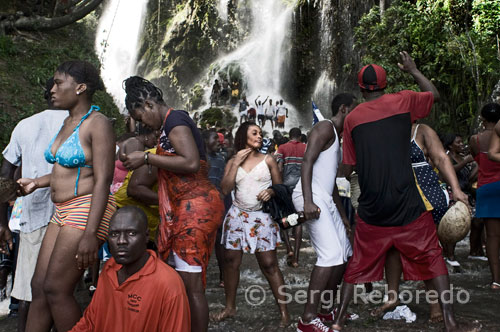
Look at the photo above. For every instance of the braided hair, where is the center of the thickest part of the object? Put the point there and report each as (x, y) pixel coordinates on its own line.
(138, 90)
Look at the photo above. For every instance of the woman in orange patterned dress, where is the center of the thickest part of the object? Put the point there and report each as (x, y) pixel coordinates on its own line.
(191, 208)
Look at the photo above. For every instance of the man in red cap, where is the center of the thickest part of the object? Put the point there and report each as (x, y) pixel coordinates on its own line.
(391, 212)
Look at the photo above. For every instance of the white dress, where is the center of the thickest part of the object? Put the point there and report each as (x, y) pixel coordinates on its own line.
(328, 234)
(246, 227)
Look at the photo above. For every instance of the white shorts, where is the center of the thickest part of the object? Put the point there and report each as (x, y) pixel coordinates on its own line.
(328, 235)
(29, 247)
(181, 265)
(244, 113)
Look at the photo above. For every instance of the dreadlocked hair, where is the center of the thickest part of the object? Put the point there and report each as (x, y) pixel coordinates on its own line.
(138, 90)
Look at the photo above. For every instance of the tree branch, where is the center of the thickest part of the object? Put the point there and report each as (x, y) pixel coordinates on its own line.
(39, 23)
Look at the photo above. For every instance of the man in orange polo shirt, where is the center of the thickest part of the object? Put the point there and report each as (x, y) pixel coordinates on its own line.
(136, 290)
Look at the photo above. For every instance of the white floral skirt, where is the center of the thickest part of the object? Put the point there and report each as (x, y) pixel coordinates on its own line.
(251, 232)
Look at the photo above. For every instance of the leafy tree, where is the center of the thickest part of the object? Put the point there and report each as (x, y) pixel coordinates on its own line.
(453, 44)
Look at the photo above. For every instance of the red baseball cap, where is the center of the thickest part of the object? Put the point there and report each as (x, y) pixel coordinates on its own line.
(221, 138)
(372, 77)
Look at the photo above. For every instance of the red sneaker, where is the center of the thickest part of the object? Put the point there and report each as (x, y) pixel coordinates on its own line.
(350, 315)
(327, 317)
(314, 326)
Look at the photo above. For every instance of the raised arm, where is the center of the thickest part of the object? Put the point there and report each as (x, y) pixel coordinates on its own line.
(408, 65)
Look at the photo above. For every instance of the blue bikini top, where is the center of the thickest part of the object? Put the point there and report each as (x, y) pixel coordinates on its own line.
(70, 153)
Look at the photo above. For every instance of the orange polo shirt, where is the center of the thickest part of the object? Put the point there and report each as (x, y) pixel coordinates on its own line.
(153, 299)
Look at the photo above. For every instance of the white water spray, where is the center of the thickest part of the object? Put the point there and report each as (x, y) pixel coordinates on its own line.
(325, 86)
(117, 44)
(260, 58)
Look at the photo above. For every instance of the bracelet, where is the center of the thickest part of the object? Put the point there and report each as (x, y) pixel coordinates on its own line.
(146, 157)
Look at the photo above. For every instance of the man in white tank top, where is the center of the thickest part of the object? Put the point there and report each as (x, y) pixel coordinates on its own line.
(317, 195)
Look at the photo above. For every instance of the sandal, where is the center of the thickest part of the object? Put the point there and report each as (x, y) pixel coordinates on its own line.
(495, 286)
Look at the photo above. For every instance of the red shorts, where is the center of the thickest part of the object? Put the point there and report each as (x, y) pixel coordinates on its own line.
(417, 243)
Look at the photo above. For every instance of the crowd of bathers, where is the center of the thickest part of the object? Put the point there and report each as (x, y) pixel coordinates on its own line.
(139, 216)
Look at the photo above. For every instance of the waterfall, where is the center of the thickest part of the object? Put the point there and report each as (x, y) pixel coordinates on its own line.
(260, 57)
(117, 43)
(325, 86)
(222, 8)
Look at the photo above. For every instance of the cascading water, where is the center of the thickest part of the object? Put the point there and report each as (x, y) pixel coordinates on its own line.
(325, 86)
(260, 58)
(117, 43)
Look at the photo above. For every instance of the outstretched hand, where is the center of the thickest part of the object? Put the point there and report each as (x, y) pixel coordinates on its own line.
(26, 186)
(407, 64)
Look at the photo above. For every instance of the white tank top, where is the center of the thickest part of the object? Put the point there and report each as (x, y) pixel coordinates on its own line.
(249, 185)
(325, 169)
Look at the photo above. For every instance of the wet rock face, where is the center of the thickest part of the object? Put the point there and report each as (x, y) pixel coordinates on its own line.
(181, 38)
(323, 40)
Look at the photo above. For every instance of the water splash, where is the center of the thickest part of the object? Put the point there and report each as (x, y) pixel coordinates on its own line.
(222, 8)
(117, 43)
(325, 86)
(259, 59)
(323, 94)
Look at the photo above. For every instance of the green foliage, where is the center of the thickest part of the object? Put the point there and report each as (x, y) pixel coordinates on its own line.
(25, 65)
(460, 58)
(196, 96)
(217, 117)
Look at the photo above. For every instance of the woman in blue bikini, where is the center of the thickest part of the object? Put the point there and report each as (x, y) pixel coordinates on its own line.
(83, 157)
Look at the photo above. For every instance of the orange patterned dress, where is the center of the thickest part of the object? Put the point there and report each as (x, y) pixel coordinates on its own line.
(191, 210)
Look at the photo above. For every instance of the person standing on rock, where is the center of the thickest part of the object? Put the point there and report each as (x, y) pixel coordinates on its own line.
(281, 114)
(391, 212)
(243, 109)
(317, 195)
(261, 117)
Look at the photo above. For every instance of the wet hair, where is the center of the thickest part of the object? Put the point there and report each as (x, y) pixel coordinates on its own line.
(83, 72)
(341, 99)
(240, 138)
(491, 112)
(138, 90)
(295, 133)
